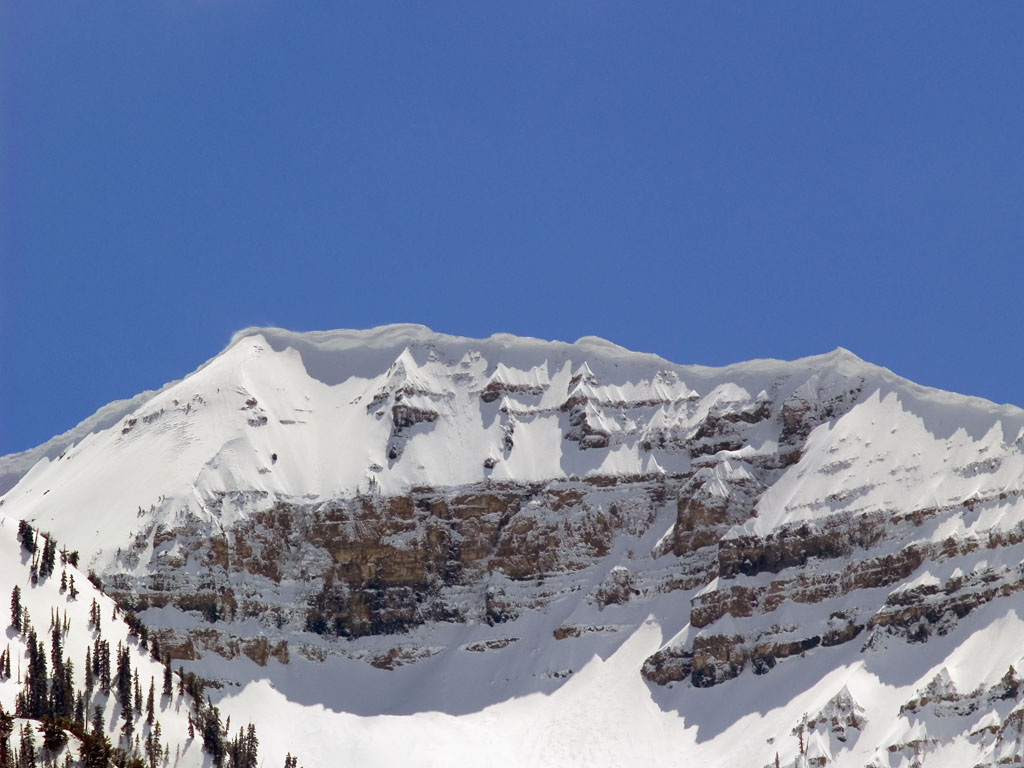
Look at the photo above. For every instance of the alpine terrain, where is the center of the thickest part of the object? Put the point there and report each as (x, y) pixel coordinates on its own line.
(397, 547)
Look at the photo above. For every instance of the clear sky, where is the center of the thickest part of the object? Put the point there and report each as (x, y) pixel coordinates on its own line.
(709, 181)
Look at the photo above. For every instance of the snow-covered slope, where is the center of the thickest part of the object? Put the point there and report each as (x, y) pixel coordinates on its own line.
(65, 607)
(497, 529)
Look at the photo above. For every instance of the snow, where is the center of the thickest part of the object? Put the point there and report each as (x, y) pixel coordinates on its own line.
(283, 415)
(43, 601)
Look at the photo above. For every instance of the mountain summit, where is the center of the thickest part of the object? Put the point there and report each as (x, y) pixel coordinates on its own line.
(395, 521)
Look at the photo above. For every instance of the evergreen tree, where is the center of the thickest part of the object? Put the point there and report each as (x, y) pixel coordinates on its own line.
(96, 751)
(49, 558)
(6, 729)
(54, 737)
(124, 682)
(28, 746)
(97, 720)
(94, 616)
(36, 702)
(16, 608)
(138, 694)
(167, 675)
(252, 745)
(56, 650)
(213, 742)
(89, 680)
(149, 701)
(128, 729)
(27, 537)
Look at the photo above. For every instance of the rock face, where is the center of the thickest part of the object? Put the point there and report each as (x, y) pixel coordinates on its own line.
(341, 491)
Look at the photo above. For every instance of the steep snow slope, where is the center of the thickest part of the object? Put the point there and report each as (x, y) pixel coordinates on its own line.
(48, 605)
(798, 555)
(398, 407)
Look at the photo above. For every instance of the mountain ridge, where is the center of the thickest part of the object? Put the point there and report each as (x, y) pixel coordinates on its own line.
(420, 506)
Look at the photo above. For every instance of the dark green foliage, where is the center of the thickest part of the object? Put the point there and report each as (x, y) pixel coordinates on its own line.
(96, 751)
(54, 737)
(97, 719)
(6, 729)
(16, 608)
(167, 676)
(152, 747)
(149, 701)
(90, 679)
(213, 737)
(49, 558)
(124, 682)
(68, 557)
(34, 701)
(27, 747)
(137, 697)
(243, 750)
(27, 537)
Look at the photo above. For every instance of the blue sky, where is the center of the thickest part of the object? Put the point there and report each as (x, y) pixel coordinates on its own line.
(709, 181)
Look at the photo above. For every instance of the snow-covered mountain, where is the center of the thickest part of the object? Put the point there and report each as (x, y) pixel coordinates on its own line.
(549, 553)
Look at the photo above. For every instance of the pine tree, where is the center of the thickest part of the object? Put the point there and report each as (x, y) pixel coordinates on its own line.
(124, 682)
(89, 680)
(16, 608)
(149, 701)
(213, 742)
(26, 536)
(37, 701)
(28, 746)
(48, 559)
(138, 694)
(6, 729)
(94, 617)
(167, 676)
(97, 720)
(252, 745)
(96, 751)
(128, 729)
(54, 737)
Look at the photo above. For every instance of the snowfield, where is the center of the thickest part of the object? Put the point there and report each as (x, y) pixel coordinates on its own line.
(913, 497)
